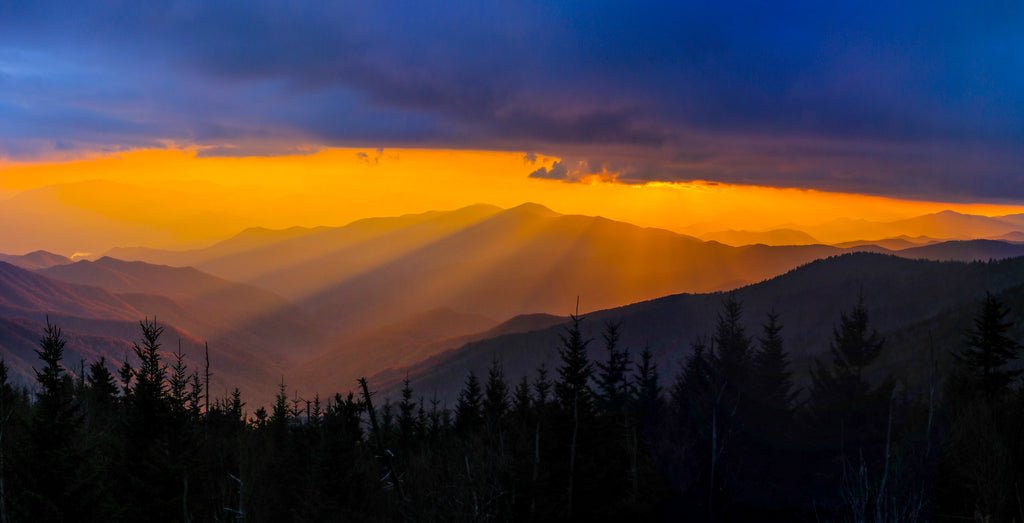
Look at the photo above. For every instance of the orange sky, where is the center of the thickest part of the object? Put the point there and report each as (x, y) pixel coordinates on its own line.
(164, 198)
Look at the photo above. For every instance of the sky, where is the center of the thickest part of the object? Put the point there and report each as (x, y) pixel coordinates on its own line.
(910, 102)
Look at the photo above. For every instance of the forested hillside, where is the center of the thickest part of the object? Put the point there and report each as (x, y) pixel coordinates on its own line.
(604, 430)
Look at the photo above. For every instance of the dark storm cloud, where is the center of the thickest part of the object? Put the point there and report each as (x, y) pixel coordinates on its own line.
(915, 99)
(558, 171)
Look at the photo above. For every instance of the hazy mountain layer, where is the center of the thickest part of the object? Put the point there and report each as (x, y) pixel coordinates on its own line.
(907, 301)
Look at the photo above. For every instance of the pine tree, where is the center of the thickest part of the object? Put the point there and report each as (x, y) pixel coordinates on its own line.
(152, 490)
(648, 388)
(613, 387)
(101, 381)
(572, 391)
(732, 360)
(53, 491)
(541, 387)
(280, 414)
(178, 382)
(235, 406)
(989, 349)
(495, 403)
(150, 390)
(773, 385)
(408, 426)
(853, 347)
(521, 399)
(9, 406)
(848, 417)
(467, 410)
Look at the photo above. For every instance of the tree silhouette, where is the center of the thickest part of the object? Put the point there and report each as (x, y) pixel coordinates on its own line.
(613, 387)
(773, 385)
(468, 416)
(54, 491)
(989, 349)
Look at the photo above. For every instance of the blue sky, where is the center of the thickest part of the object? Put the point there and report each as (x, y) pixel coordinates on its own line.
(920, 99)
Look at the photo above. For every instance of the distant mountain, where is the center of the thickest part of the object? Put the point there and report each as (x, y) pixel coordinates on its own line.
(203, 304)
(98, 322)
(770, 237)
(945, 224)
(35, 260)
(969, 250)
(530, 259)
(906, 299)
(249, 239)
(300, 267)
(892, 244)
(1014, 237)
(454, 273)
(356, 278)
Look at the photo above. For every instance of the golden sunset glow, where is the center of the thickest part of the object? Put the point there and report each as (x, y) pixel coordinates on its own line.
(174, 197)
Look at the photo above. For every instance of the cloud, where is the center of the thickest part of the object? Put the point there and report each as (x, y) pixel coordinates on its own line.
(558, 171)
(918, 99)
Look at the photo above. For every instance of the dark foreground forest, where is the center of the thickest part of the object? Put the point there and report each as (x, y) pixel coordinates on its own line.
(726, 437)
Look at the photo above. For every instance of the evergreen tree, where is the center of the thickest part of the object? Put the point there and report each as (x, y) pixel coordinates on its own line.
(178, 382)
(495, 403)
(647, 382)
(12, 407)
(101, 381)
(408, 425)
(152, 490)
(613, 387)
(150, 390)
(468, 416)
(54, 490)
(773, 386)
(521, 399)
(575, 402)
(280, 414)
(989, 349)
(733, 359)
(541, 387)
(688, 449)
(854, 346)
(572, 391)
(849, 419)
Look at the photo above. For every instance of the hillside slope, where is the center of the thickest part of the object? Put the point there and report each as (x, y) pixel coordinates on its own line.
(906, 299)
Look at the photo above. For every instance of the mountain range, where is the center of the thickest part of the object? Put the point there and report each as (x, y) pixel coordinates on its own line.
(437, 293)
(917, 305)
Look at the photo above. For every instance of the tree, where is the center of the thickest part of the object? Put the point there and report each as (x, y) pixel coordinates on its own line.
(495, 403)
(854, 346)
(541, 387)
(521, 399)
(989, 349)
(467, 410)
(613, 387)
(408, 425)
(773, 384)
(178, 383)
(101, 381)
(849, 418)
(54, 490)
(572, 391)
(150, 390)
(648, 387)
(732, 358)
